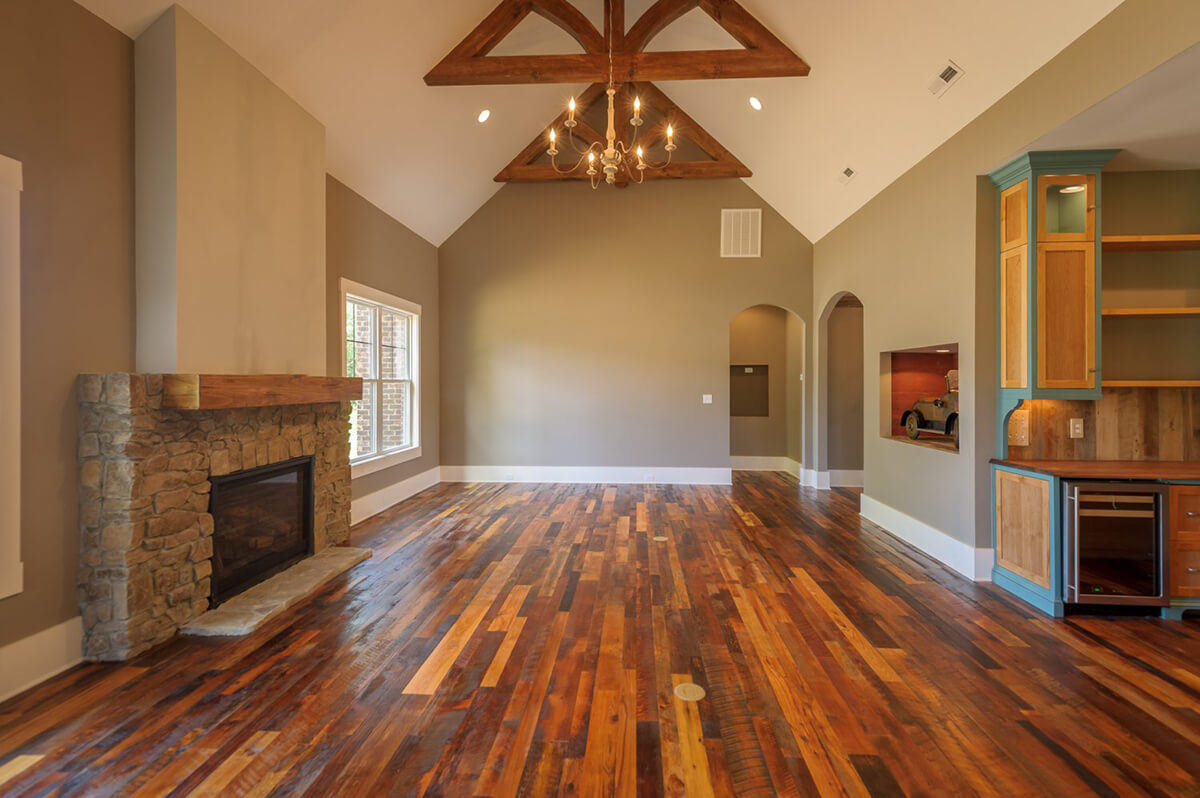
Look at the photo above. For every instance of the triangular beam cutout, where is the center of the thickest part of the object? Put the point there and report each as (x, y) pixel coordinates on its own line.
(469, 64)
(528, 166)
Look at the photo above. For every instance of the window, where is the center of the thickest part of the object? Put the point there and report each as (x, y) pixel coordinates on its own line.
(381, 346)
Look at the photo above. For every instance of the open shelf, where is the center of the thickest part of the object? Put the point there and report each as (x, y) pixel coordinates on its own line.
(1161, 243)
(1151, 313)
(1151, 383)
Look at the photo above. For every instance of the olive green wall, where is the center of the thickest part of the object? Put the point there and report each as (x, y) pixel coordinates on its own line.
(580, 327)
(66, 112)
(759, 336)
(367, 246)
(846, 422)
(914, 257)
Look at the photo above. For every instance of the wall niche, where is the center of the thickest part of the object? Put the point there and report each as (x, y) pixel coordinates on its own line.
(919, 396)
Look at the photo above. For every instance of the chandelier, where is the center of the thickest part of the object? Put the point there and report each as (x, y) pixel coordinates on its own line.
(614, 155)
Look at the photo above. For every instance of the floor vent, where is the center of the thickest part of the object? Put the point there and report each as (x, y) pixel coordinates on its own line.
(741, 233)
(946, 77)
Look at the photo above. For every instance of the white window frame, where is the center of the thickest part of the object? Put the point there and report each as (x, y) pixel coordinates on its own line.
(12, 571)
(371, 463)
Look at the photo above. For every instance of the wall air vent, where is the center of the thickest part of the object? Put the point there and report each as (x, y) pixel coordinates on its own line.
(846, 175)
(946, 77)
(741, 233)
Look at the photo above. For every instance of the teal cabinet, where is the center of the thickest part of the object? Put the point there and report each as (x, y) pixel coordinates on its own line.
(1048, 280)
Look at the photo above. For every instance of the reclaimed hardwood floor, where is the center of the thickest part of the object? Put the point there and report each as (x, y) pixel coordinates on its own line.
(526, 639)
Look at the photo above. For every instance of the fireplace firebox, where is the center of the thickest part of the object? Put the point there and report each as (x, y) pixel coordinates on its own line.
(262, 523)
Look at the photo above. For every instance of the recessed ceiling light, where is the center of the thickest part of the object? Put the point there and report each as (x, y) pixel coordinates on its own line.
(756, 103)
(1071, 189)
(484, 115)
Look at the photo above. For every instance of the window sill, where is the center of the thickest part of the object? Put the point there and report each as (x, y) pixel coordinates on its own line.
(370, 465)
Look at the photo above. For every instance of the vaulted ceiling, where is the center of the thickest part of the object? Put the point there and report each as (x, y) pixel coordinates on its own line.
(417, 152)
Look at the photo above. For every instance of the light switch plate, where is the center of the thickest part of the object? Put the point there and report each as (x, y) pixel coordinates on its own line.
(706, 399)
(1077, 428)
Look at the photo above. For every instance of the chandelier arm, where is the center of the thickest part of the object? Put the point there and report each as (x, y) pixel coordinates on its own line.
(575, 145)
(578, 163)
(664, 165)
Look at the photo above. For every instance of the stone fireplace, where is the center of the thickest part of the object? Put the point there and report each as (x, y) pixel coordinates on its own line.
(146, 472)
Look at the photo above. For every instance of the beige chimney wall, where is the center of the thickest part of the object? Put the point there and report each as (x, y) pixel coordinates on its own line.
(230, 230)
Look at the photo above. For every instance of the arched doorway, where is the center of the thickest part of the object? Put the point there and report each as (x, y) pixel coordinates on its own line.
(841, 419)
(766, 389)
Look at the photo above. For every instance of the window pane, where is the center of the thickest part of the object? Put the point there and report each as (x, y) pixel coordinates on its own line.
(358, 340)
(393, 340)
(395, 415)
(362, 427)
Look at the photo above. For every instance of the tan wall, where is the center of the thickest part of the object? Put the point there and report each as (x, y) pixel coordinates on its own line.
(581, 327)
(796, 402)
(846, 421)
(758, 337)
(240, 252)
(367, 246)
(66, 111)
(907, 255)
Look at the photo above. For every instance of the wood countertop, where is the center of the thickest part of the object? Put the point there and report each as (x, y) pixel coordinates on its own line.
(1164, 470)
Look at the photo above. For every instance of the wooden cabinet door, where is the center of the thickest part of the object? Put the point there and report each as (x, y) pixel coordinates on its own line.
(1014, 318)
(1184, 545)
(1066, 315)
(1014, 216)
(1023, 526)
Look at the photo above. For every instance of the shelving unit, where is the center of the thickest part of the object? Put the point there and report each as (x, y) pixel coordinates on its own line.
(1157, 243)
(1147, 343)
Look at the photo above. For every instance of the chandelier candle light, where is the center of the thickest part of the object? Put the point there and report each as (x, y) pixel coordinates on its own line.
(614, 155)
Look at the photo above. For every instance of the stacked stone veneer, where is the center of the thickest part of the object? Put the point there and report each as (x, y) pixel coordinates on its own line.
(146, 556)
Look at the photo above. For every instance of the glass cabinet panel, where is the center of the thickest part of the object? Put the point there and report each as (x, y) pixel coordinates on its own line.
(1066, 207)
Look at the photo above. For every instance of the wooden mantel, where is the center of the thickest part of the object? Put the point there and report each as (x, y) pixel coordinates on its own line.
(224, 391)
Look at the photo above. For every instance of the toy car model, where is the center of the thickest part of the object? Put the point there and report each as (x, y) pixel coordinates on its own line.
(938, 415)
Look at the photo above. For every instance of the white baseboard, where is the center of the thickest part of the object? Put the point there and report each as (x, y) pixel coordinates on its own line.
(840, 478)
(969, 561)
(812, 478)
(363, 507)
(757, 463)
(590, 474)
(34, 659)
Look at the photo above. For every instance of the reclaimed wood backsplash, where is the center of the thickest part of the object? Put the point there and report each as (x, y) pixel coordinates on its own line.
(1127, 424)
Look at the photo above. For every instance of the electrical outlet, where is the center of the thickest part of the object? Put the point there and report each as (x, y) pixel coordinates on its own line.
(706, 399)
(1018, 428)
(1077, 428)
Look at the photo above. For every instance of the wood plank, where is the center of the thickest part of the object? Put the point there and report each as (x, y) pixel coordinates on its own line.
(224, 391)
(1109, 469)
(627, 67)
(1151, 313)
(1153, 243)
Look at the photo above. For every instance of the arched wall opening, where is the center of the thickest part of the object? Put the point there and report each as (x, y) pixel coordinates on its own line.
(766, 389)
(841, 426)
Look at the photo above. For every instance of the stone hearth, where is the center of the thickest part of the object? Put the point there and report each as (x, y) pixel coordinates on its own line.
(146, 554)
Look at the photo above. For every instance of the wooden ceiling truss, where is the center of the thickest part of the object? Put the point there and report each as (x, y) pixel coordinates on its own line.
(763, 55)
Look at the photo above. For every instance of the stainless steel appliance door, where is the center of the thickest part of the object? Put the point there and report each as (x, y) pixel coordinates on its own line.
(1115, 543)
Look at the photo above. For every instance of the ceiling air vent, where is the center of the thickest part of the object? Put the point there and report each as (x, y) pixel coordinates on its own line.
(741, 233)
(945, 78)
